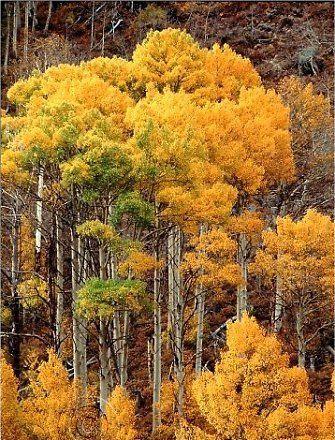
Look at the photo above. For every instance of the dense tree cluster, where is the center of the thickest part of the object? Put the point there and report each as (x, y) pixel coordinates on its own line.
(139, 191)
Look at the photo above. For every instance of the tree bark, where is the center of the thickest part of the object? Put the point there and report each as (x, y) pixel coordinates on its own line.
(15, 344)
(278, 321)
(92, 25)
(34, 19)
(242, 293)
(16, 20)
(6, 58)
(47, 23)
(157, 354)
(60, 285)
(171, 280)
(26, 30)
(200, 328)
(124, 350)
(178, 320)
(105, 374)
(79, 325)
(301, 338)
(39, 215)
(200, 311)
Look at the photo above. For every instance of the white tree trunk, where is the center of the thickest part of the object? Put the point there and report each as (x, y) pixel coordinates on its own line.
(104, 355)
(106, 384)
(124, 350)
(79, 324)
(6, 58)
(39, 216)
(47, 23)
(117, 340)
(171, 280)
(16, 20)
(178, 320)
(60, 285)
(92, 25)
(26, 30)
(157, 354)
(200, 311)
(278, 316)
(200, 328)
(242, 293)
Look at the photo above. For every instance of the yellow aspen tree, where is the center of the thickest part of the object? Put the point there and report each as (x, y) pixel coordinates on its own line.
(301, 253)
(226, 73)
(119, 420)
(251, 382)
(50, 409)
(12, 426)
(169, 58)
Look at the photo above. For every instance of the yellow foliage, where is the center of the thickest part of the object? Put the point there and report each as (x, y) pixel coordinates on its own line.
(33, 291)
(50, 410)
(226, 74)
(169, 58)
(210, 204)
(138, 264)
(310, 113)
(27, 248)
(189, 432)
(97, 229)
(301, 253)
(213, 259)
(252, 385)
(11, 413)
(11, 168)
(248, 223)
(119, 422)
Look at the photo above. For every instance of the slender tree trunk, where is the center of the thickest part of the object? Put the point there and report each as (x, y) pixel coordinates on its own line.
(34, 19)
(124, 350)
(200, 310)
(171, 280)
(301, 338)
(178, 321)
(157, 355)
(47, 23)
(278, 321)
(200, 328)
(39, 215)
(117, 341)
(60, 285)
(149, 351)
(242, 293)
(157, 346)
(16, 20)
(92, 25)
(79, 325)
(103, 33)
(8, 7)
(279, 300)
(26, 30)
(15, 345)
(105, 375)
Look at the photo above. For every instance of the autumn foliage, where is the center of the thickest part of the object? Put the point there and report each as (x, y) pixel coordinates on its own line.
(254, 394)
(153, 202)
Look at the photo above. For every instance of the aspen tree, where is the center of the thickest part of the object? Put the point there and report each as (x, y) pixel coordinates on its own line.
(11, 412)
(251, 386)
(301, 253)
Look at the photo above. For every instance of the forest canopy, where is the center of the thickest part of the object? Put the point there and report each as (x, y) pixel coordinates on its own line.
(167, 258)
